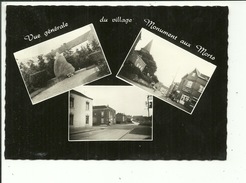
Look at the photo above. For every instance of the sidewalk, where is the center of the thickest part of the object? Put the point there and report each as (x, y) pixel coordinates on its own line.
(140, 132)
(75, 130)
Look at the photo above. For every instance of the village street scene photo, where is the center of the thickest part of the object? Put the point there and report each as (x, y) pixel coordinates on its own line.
(62, 63)
(110, 113)
(166, 71)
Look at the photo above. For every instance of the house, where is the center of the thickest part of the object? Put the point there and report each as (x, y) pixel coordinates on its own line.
(103, 114)
(190, 88)
(137, 60)
(121, 118)
(80, 114)
(128, 118)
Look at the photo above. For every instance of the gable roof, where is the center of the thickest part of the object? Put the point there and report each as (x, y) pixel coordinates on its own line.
(80, 94)
(198, 73)
(202, 76)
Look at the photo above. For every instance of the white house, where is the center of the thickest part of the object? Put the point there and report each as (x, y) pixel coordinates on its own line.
(80, 110)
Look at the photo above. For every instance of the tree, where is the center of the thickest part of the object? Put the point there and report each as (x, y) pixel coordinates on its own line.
(149, 61)
(41, 62)
(155, 79)
(25, 72)
(89, 50)
(50, 65)
(95, 45)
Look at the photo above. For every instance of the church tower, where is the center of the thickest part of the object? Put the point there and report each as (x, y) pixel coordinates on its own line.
(147, 48)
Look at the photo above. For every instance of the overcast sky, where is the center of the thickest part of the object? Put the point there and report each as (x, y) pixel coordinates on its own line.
(172, 61)
(47, 46)
(129, 100)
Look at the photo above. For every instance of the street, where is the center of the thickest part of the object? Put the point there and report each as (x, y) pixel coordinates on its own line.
(114, 132)
(158, 94)
(79, 78)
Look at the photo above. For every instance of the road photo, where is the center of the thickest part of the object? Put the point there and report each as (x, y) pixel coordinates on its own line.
(109, 113)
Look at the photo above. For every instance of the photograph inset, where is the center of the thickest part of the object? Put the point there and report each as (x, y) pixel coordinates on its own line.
(62, 63)
(110, 113)
(166, 71)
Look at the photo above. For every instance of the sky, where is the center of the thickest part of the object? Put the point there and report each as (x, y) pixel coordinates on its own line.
(129, 100)
(172, 61)
(47, 46)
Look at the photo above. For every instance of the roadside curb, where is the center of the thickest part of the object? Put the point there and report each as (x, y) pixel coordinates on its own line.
(88, 130)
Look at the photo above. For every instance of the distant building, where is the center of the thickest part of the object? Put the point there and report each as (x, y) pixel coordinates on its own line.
(128, 118)
(190, 88)
(103, 115)
(147, 120)
(160, 87)
(80, 110)
(172, 90)
(121, 118)
(138, 118)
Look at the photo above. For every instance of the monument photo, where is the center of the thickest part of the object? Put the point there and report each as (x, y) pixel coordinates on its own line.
(62, 63)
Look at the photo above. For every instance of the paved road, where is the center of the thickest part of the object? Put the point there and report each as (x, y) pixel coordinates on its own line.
(159, 95)
(78, 79)
(115, 132)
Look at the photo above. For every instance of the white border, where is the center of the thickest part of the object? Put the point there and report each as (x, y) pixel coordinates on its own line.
(232, 170)
(111, 140)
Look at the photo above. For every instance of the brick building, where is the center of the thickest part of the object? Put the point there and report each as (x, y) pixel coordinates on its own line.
(103, 115)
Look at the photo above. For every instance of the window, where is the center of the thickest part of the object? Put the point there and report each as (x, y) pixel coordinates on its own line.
(71, 102)
(193, 74)
(102, 113)
(185, 98)
(87, 119)
(71, 119)
(189, 84)
(200, 88)
(87, 106)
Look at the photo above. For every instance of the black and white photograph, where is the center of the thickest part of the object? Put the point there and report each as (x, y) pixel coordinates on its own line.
(106, 134)
(62, 63)
(166, 71)
(110, 113)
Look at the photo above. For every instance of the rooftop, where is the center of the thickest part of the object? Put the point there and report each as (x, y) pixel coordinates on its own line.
(80, 94)
(102, 107)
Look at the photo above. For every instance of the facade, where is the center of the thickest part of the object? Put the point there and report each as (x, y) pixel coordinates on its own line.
(103, 115)
(121, 118)
(190, 88)
(80, 110)
(137, 61)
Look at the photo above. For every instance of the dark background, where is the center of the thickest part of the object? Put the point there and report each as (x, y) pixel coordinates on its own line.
(41, 131)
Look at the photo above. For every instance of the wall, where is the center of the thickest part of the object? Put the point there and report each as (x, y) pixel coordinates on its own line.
(79, 111)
